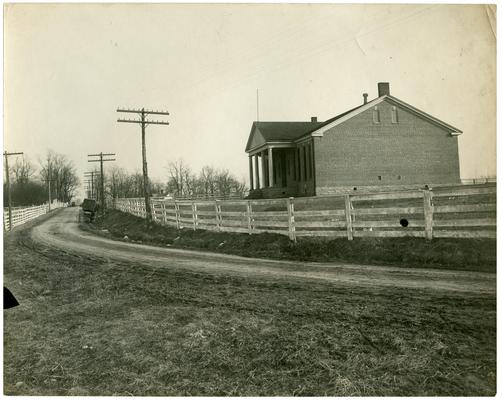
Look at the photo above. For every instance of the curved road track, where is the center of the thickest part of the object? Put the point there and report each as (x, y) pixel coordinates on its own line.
(61, 232)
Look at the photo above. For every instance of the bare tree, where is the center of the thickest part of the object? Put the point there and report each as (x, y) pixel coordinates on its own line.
(177, 171)
(223, 183)
(62, 174)
(120, 184)
(23, 170)
(189, 183)
(208, 181)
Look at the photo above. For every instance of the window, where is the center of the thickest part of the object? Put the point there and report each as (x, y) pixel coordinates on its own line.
(394, 115)
(379, 177)
(307, 150)
(298, 164)
(275, 170)
(399, 177)
(311, 161)
(294, 164)
(304, 163)
(376, 115)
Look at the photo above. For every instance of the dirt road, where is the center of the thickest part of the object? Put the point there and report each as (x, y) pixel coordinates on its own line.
(62, 232)
(99, 317)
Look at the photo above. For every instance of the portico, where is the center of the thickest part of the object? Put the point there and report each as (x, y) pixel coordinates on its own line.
(268, 166)
(277, 162)
(261, 167)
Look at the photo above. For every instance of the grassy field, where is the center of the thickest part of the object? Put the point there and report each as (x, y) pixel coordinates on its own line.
(88, 326)
(460, 254)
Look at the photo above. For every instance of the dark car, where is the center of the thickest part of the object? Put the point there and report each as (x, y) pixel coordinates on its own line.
(89, 206)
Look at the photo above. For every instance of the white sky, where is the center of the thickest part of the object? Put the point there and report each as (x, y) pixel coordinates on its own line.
(67, 67)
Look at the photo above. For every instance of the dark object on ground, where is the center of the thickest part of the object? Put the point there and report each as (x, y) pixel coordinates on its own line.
(89, 206)
(9, 300)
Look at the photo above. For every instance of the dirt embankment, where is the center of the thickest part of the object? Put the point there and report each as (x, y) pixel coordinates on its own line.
(63, 233)
(456, 254)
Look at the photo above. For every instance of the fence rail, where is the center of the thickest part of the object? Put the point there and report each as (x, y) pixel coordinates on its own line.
(21, 215)
(458, 212)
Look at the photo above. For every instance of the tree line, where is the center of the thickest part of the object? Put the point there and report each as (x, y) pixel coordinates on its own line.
(209, 182)
(30, 182)
(181, 182)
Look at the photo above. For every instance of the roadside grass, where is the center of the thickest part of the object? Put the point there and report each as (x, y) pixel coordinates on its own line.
(89, 326)
(458, 254)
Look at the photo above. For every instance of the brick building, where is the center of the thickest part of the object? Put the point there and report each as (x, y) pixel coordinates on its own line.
(382, 144)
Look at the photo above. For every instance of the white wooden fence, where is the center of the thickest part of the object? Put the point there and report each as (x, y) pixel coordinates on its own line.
(20, 215)
(447, 212)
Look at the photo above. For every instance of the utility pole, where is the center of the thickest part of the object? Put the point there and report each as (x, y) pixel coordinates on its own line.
(49, 180)
(88, 188)
(144, 122)
(7, 180)
(92, 174)
(101, 160)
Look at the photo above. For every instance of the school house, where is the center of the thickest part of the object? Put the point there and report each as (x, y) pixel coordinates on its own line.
(382, 144)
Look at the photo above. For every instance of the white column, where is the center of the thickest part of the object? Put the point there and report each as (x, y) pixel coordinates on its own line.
(270, 168)
(263, 169)
(257, 170)
(251, 172)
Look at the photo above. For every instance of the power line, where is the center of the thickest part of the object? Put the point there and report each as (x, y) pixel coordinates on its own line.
(143, 121)
(91, 174)
(101, 160)
(87, 188)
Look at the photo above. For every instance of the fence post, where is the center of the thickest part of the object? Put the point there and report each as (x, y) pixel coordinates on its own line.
(177, 211)
(348, 217)
(164, 215)
(217, 210)
(428, 213)
(194, 215)
(249, 213)
(291, 218)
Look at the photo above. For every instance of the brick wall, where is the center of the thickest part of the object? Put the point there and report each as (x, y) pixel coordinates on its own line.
(359, 152)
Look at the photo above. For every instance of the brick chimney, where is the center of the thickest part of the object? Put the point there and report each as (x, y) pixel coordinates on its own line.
(313, 119)
(383, 89)
(365, 95)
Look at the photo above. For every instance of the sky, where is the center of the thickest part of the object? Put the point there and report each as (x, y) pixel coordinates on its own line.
(67, 67)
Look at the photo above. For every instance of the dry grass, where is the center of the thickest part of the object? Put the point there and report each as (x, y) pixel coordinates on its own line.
(459, 254)
(88, 326)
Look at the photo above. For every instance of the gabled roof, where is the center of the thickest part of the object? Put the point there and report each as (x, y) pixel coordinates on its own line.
(335, 118)
(319, 131)
(294, 131)
(281, 131)
(424, 114)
